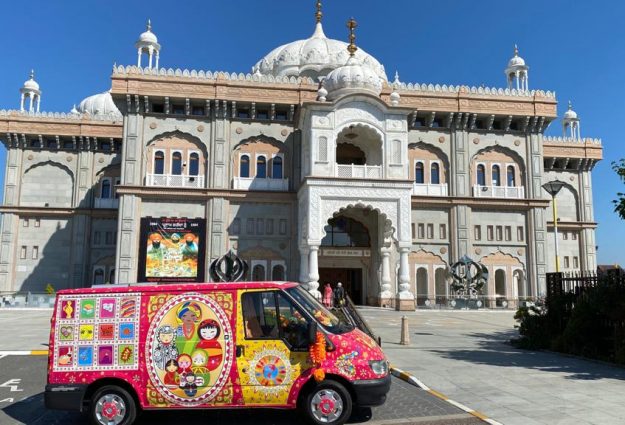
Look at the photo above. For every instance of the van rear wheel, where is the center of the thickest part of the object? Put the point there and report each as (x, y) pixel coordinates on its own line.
(328, 403)
(112, 405)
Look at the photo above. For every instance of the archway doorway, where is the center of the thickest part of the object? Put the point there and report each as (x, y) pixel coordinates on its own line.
(500, 287)
(422, 285)
(345, 253)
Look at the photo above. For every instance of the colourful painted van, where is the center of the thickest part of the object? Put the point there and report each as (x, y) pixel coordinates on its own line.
(115, 350)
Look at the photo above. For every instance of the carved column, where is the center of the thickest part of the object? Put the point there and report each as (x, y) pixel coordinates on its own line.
(385, 287)
(405, 298)
(313, 272)
(303, 265)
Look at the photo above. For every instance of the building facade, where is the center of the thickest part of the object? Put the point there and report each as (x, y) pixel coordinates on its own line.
(314, 167)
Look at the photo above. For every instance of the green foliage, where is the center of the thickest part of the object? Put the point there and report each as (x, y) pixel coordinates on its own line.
(589, 324)
(49, 289)
(619, 204)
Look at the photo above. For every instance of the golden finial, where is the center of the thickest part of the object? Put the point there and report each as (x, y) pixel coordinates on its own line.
(516, 50)
(352, 24)
(318, 13)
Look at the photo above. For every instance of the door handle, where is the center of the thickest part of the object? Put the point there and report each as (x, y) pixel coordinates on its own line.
(240, 350)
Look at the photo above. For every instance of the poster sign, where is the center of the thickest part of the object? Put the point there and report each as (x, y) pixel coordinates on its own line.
(172, 250)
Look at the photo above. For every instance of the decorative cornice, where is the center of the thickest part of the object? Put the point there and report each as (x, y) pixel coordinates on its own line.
(157, 192)
(478, 203)
(58, 212)
(573, 225)
(13, 113)
(576, 142)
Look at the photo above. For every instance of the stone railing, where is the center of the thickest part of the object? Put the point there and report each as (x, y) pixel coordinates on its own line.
(588, 140)
(105, 203)
(419, 189)
(121, 70)
(62, 115)
(254, 183)
(174, 180)
(359, 171)
(508, 192)
(472, 90)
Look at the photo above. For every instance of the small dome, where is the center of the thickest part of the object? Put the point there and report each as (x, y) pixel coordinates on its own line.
(570, 114)
(148, 37)
(516, 61)
(31, 84)
(99, 105)
(353, 77)
(313, 57)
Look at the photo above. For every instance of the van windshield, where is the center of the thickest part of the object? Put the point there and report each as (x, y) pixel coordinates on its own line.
(324, 316)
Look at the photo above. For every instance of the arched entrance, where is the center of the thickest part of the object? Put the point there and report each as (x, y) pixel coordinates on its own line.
(422, 285)
(345, 253)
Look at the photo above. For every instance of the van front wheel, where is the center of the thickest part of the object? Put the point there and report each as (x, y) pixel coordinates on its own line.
(328, 403)
(112, 405)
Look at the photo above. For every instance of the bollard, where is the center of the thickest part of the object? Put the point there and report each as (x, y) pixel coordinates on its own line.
(405, 335)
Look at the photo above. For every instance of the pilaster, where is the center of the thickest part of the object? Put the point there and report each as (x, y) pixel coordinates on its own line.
(536, 219)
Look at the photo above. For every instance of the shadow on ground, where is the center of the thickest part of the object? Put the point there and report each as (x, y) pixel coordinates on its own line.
(495, 350)
(32, 411)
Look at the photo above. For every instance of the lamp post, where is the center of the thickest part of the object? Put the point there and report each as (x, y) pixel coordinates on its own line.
(552, 188)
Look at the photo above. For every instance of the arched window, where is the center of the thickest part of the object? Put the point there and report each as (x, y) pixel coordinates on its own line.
(194, 164)
(344, 232)
(258, 273)
(245, 166)
(496, 175)
(418, 173)
(106, 189)
(176, 163)
(98, 276)
(159, 162)
(511, 179)
(261, 167)
(481, 175)
(276, 167)
(435, 177)
(277, 273)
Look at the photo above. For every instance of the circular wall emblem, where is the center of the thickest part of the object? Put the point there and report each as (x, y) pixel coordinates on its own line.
(153, 125)
(189, 349)
(270, 370)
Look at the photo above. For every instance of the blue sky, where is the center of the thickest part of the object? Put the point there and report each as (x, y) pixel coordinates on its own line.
(574, 48)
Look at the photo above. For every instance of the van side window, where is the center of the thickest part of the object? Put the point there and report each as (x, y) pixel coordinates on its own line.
(259, 315)
(293, 324)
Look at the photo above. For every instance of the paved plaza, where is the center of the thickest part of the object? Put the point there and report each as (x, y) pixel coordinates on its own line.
(465, 356)
(461, 354)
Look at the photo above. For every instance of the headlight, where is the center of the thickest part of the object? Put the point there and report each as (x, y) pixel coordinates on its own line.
(379, 367)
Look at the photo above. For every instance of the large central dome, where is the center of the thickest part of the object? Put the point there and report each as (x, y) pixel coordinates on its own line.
(314, 57)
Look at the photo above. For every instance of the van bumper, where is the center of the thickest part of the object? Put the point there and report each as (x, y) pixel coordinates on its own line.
(64, 397)
(372, 392)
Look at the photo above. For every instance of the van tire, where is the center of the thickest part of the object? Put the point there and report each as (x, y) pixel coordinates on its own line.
(120, 404)
(330, 400)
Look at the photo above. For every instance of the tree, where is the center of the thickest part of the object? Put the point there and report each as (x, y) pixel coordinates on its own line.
(619, 204)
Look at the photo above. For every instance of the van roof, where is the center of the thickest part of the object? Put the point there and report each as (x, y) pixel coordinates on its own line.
(164, 287)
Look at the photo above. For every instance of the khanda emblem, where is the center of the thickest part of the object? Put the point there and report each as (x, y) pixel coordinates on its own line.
(229, 268)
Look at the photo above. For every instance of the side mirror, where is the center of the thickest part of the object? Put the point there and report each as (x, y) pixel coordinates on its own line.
(312, 333)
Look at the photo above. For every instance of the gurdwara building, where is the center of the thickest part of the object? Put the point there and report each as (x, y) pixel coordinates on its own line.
(313, 167)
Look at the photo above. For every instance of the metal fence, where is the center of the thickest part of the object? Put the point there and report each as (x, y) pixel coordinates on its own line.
(458, 302)
(26, 300)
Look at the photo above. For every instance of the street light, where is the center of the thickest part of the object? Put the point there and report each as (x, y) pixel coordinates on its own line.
(552, 188)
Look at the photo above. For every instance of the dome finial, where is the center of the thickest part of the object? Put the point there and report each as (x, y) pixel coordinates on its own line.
(516, 50)
(32, 74)
(570, 106)
(149, 25)
(318, 14)
(351, 48)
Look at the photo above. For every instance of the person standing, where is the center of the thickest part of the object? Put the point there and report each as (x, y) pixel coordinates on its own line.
(327, 295)
(339, 295)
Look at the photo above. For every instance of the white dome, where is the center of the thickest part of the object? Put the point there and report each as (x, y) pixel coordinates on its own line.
(353, 77)
(516, 61)
(313, 57)
(148, 37)
(31, 84)
(570, 114)
(99, 104)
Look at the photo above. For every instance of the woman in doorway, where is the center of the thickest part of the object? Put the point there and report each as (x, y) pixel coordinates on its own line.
(327, 295)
